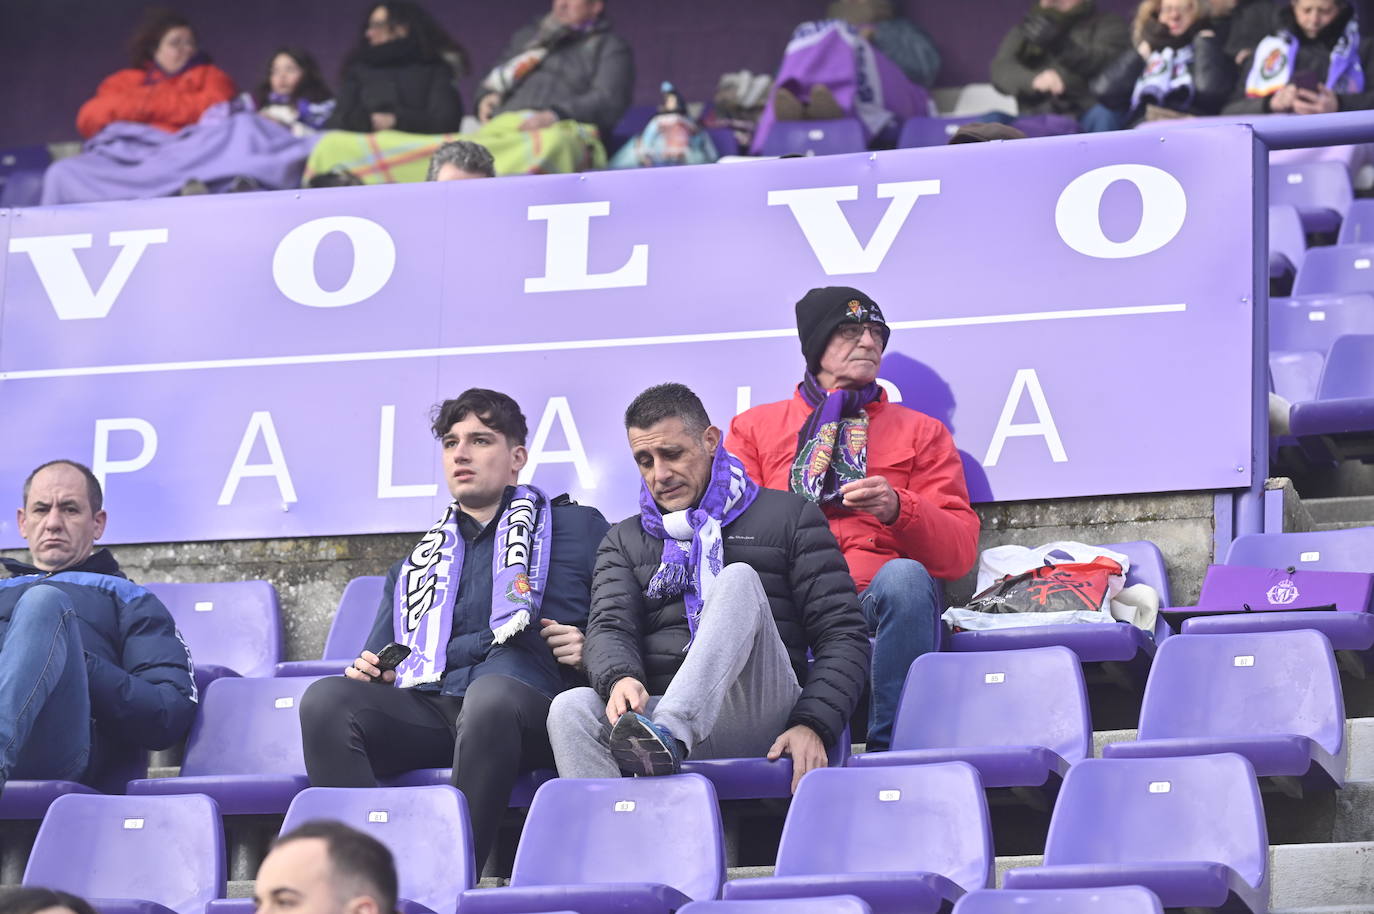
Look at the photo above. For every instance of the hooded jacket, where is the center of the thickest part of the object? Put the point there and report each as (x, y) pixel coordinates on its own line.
(1076, 45)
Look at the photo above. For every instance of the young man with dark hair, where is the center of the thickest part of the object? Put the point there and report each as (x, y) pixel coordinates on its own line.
(81, 644)
(491, 602)
(704, 607)
(326, 868)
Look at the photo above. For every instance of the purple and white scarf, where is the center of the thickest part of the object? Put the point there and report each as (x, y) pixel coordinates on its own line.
(832, 446)
(1168, 71)
(1274, 57)
(427, 587)
(693, 546)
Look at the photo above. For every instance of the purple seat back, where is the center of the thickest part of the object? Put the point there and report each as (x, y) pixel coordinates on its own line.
(930, 131)
(1358, 227)
(1313, 322)
(1161, 810)
(358, 606)
(659, 830)
(630, 125)
(1121, 899)
(815, 138)
(164, 849)
(906, 818)
(1245, 685)
(1320, 191)
(1147, 566)
(1296, 376)
(1318, 550)
(1334, 270)
(235, 624)
(1228, 586)
(831, 904)
(248, 726)
(425, 828)
(1031, 697)
(1349, 370)
(725, 141)
(1287, 243)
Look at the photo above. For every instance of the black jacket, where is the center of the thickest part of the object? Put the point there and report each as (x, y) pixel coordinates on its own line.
(391, 78)
(1314, 55)
(1077, 45)
(1213, 74)
(787, 541)
(1242, 28)
(588, 77)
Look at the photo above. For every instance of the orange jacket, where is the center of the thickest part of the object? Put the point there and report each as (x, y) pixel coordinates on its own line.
(914, 452)
(151, 97)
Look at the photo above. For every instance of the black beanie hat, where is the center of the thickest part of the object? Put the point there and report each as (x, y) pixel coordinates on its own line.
(820, 311)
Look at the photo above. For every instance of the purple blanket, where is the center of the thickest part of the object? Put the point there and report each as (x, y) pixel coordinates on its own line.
(126, 161)
(864, 82)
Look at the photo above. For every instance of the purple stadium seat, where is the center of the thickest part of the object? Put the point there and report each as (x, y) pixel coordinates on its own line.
(244, 749)
(1273, 697)
(758, 778)
(1320, 191)
(630, 125)
(819, 138)
(31, 799)
(521, 794)
(1123, 899)
(835, 904)
(930, 131)
(132, 855)
(232, 629)
(1335, 270)
(725, 141)
(1340, 421)
(1287, 243)
(1191, 830)
(1358, 226)
(1296, 375)
(347, 633)
(1020, 718)
(1312, 322)
(641, 845)
(911, 838)
(1092, 643)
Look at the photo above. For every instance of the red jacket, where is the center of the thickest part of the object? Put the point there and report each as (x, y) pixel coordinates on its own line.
(914, 452)
(149, 96)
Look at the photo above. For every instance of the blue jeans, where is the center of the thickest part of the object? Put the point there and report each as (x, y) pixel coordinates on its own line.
(902, 606)
(45, 704)
(1100, 118)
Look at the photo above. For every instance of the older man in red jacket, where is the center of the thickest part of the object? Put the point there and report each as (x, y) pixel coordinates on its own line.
(888, 478)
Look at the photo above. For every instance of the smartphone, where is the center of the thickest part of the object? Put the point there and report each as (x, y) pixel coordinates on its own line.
(1306, 79)
(390, 657)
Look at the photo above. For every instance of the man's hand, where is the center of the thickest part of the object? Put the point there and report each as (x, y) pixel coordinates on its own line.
(628, 694)
(1322, 101)
(487, 105)
(1048, 81)
(1283, 99)
(805, 747)
(873, 494)
(538, 120)
(364, 669)
(383, 120)
(564, 640)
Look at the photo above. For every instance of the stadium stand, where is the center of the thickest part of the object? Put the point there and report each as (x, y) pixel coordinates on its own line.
(835, 904)
(1339, 422)
(352, 623)
(1320, 191)
(232, 628)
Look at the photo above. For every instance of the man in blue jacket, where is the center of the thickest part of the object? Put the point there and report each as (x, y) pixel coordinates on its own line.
(92, 669)
(492, 601)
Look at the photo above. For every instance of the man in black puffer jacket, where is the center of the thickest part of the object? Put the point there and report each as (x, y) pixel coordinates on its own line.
(704, 606)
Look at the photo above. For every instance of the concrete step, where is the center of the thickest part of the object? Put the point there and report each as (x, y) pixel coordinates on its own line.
(1350, 510)
(1341, 525)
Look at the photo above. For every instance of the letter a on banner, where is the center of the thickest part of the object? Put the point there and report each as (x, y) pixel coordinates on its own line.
(1026, 381)
(832, 239)
(54, 259)
(575, 453)
(259, 424)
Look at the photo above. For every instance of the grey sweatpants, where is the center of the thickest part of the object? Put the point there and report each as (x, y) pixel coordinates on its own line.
(730, 699)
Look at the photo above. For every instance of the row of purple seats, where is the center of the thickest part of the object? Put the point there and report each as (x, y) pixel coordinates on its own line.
(1358, 226)
(1314, 322)
(1118, 899)
(347, 633)
(232, 628)
(1337, 269)
(815, 138)
(1338, 423)
(1320, 191)
(1287, 242)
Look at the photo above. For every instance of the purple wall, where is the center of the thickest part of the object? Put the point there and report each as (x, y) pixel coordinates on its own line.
(57, 51)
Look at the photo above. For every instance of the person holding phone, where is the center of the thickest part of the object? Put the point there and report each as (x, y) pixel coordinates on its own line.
(479, 627)
(1315, 62)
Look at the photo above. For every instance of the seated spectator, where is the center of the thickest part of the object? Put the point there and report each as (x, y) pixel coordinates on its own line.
(495, 635)
(81, 644)
(293, 93)
(705, 607)
(326, 867)
(42, 901)
(399, 76)
(985, 132)
(169, 85)
(1240, 24)
(460, 160)
(672, 137)
(1314, 62)
(1048, 60)
(1178, 64)
(902, 41)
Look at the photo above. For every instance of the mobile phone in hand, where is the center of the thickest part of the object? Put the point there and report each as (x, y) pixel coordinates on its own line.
(1306, 80)
(390, 657)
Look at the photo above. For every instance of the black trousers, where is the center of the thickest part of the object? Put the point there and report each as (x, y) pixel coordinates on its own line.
(356, 732)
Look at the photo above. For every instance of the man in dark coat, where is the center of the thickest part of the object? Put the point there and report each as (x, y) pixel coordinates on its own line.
(92, 669)
(704, 606)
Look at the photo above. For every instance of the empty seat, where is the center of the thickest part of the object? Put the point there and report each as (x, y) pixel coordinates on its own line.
(1340, 422)
(1320, 191)
(521, 794)
(1287, 243)
(1273, 697)
(631, 844)
(910, 838)
(1313, 322)
(1334, 270)
(244, 749)
(232, 629)
(759, 778)
(817, 138)
(347, 633)
(930, 131)
(1123, 899)
(1020, 718)
(725, 141)
(132, 855)
(1358, 225)
(835, 904)
(1296, 375)
(1191, 830)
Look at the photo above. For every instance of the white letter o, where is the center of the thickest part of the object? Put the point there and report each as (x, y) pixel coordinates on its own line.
(374, 259)
(1163, 208)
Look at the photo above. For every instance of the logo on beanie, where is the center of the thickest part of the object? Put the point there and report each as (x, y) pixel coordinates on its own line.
(855, 309)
